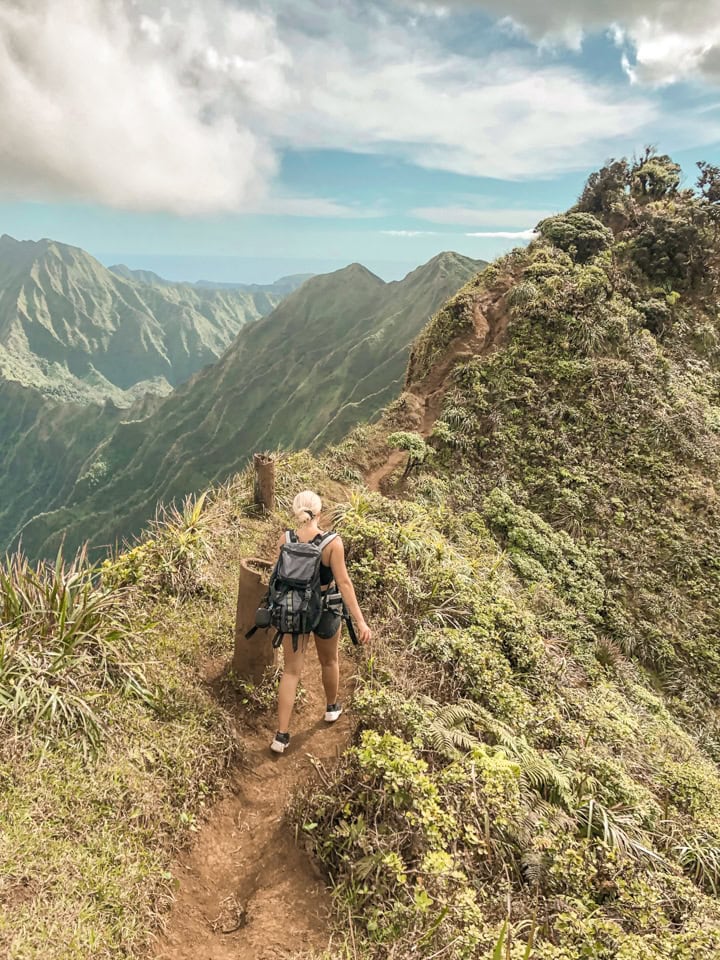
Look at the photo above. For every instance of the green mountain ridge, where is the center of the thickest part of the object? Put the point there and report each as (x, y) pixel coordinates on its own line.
(330, 355)
(542, 703)
(532, 766)
(75, 331)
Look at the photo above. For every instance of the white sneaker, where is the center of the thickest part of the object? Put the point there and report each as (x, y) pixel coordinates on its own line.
(280, 743)
(332, 712)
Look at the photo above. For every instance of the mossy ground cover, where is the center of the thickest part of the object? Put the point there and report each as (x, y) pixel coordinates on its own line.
(535, 771)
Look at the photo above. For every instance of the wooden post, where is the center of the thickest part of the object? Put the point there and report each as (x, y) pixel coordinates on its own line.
(264, 490)
(252, 657)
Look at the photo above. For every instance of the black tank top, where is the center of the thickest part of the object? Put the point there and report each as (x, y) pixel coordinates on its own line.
(326, 574)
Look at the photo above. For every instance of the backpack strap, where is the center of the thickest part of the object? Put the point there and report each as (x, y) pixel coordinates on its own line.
(326, 538)
(291, 536)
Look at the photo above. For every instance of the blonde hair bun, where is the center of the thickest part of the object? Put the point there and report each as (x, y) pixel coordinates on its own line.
(307, 505)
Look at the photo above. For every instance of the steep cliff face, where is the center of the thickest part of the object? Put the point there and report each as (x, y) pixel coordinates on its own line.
(332, 354)
(76, 331)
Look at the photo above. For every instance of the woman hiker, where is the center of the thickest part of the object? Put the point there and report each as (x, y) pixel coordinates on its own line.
(307, 507)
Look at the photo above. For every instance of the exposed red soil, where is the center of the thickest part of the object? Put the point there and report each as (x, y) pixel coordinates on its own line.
(490, 322)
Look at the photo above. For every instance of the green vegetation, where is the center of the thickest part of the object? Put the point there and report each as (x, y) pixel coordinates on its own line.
(413, 444)
(110, 744)
(534, 770)
(508, 759)
(77, 332)
(330, 356)
(57, 629)
(112, 741)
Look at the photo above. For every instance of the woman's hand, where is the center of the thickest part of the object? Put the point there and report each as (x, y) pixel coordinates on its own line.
(364, 633)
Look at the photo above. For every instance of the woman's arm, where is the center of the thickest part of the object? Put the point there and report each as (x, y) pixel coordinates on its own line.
(347, 591)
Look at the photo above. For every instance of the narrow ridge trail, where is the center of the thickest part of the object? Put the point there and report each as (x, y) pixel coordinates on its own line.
(245, 890)
(375, 478)
(489, 326)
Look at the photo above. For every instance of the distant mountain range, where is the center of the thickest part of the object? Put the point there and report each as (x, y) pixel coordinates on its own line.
(332, 354)
(283, 286)
(77, 331)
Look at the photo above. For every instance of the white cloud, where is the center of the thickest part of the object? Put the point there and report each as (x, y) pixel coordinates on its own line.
(481, 217)
(122, 103)
(409, 233)
(180, 106)
(667, 41)
(505, 234)
(511, 119)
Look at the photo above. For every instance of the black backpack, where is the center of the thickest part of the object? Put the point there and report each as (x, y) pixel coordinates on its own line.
(294, 601)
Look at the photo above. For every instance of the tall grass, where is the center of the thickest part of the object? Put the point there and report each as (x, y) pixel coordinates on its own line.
(64, 641)
(173, 557)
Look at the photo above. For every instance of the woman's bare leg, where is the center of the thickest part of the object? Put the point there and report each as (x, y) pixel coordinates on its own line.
(294, 661)
(327, 651)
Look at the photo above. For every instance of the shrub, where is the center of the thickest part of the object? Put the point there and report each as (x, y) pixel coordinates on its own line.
(606, 193)
(415, 446)
(654, 176)
(581, 235)
(670, 245)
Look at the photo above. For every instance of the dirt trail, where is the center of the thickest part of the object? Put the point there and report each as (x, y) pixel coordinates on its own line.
(490, 320)
(375, 478)
(246, 892)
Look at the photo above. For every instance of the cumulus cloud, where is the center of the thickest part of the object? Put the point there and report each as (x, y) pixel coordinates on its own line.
(175, 105)
(123, 103)
(662, 41)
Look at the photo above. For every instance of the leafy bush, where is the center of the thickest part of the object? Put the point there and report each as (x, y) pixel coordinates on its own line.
(670, 246)
(581, 235)
(415, 446)
(654, 176)
(607, 192)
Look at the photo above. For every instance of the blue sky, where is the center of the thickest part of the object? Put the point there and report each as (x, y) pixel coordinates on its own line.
(240, 141)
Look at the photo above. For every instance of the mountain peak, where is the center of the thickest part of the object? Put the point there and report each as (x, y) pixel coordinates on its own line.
(443, 264)
(357, 270)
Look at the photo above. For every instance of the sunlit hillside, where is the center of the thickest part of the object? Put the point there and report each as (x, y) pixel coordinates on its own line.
(531, 769)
